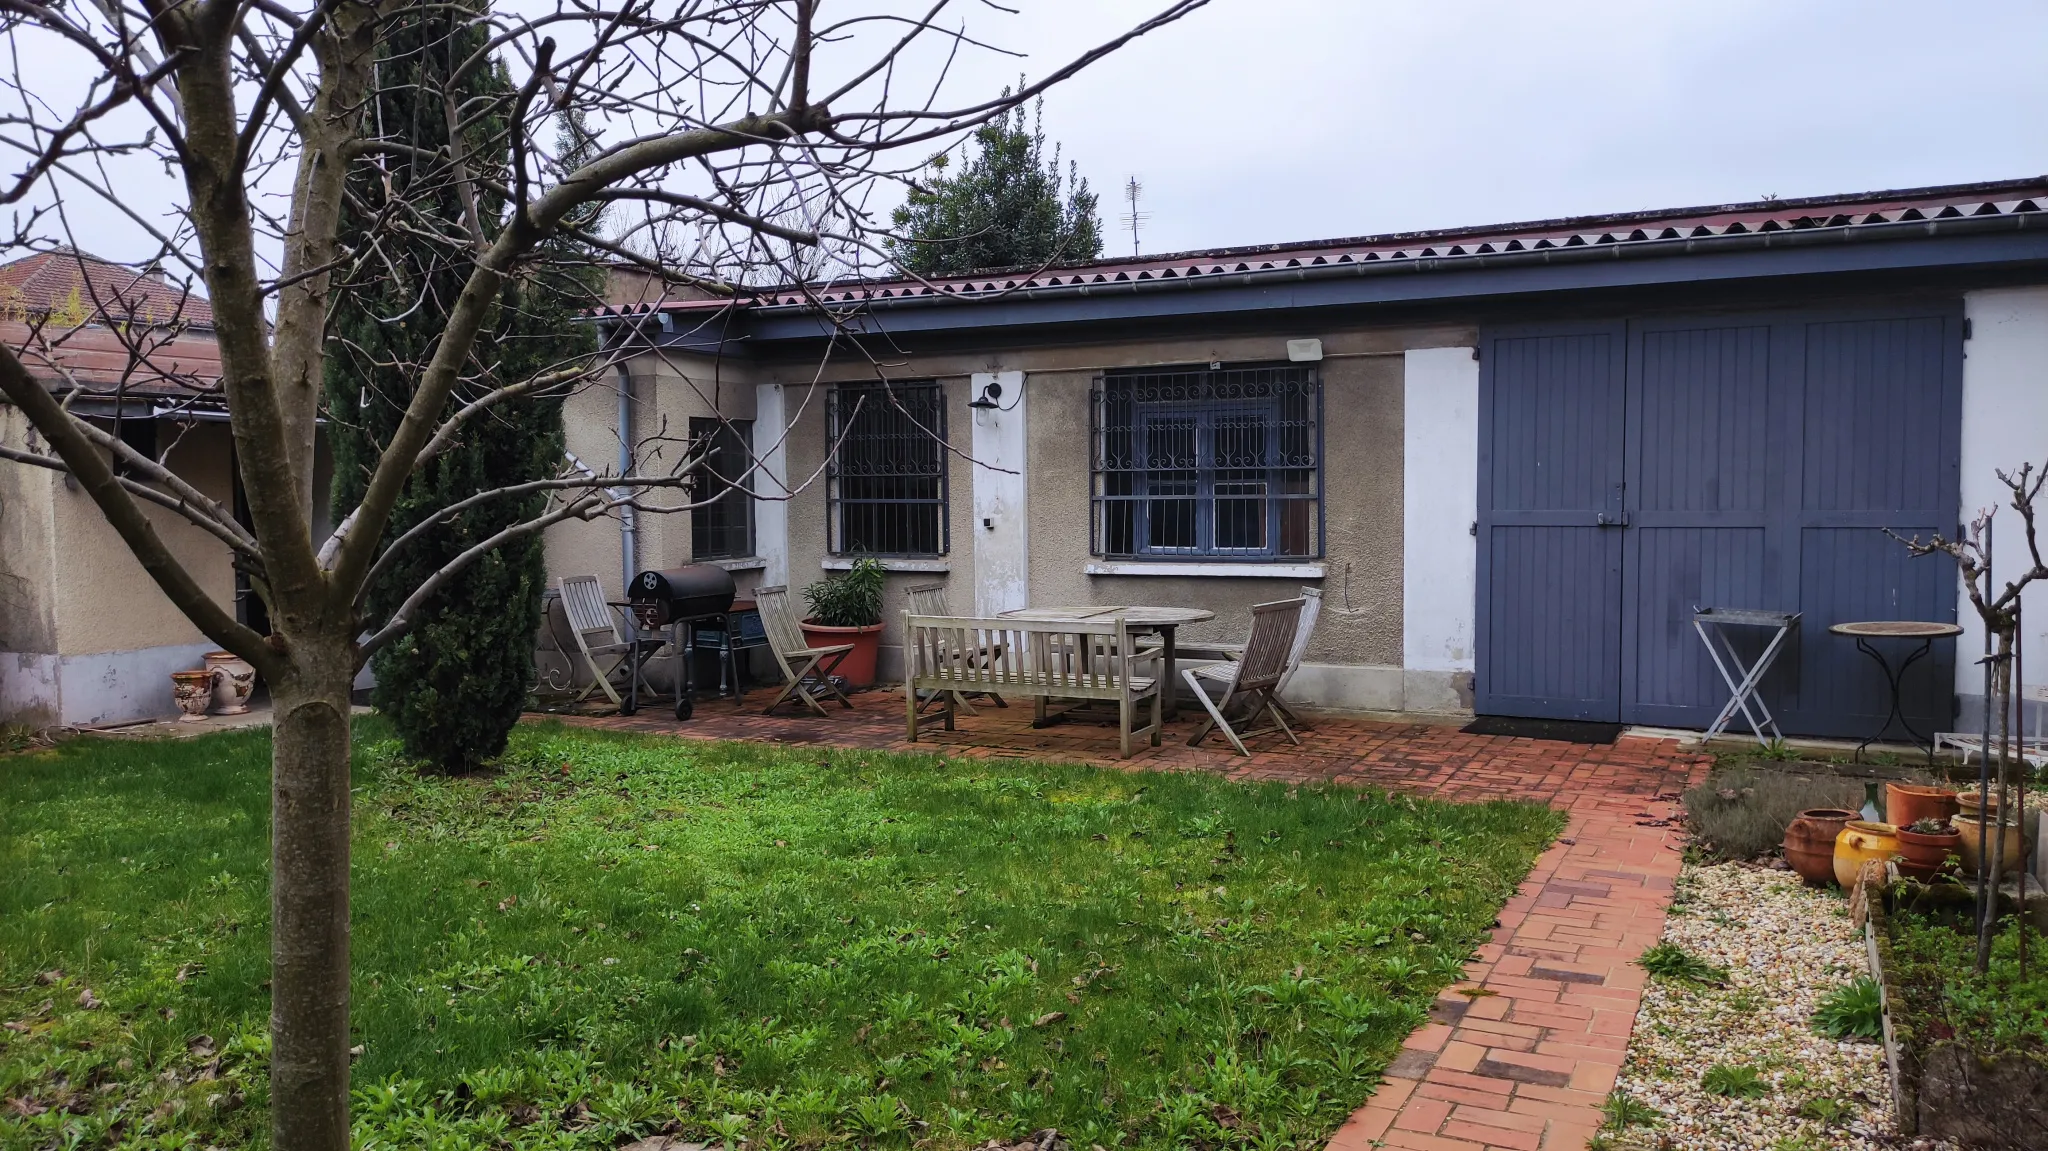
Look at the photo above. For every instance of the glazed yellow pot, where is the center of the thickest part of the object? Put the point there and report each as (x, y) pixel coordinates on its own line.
(1860, 843)
(1973, 829)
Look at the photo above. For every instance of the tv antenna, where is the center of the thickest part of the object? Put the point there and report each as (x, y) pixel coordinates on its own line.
(1134, 219)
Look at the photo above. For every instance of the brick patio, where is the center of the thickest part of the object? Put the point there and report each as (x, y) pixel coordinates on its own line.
(1520, 1054)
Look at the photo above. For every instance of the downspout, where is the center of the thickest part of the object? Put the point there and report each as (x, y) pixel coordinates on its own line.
(629, 516)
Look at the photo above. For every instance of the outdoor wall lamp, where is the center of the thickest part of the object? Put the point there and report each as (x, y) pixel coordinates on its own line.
(991, 395)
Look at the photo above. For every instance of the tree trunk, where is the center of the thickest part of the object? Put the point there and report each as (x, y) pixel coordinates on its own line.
(309, 894)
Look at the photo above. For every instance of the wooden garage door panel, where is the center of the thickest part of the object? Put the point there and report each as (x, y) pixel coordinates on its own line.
(1678, 570)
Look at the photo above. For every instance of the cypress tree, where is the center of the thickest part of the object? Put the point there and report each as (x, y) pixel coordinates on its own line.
(1008, 207)
(455, 684)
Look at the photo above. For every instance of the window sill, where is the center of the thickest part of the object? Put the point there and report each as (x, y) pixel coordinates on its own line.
(1210, 570)
(740, 564)
(889, 563)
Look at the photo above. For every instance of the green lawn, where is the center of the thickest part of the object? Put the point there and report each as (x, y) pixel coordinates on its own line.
(618, 935)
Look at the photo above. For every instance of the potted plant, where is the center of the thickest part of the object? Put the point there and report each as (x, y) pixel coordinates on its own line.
(847, 608)
(1925, 845)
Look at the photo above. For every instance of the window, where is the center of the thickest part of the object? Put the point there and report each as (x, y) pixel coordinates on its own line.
(886, 473)
(722, 528)
(1208, 464)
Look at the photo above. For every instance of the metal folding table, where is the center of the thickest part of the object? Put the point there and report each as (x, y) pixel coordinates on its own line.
(1712, 622)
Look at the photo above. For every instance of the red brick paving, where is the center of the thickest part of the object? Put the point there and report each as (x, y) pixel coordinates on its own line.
(1520, 1054)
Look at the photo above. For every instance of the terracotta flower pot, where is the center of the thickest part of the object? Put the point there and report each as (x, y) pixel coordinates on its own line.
(194, 691)
(1908, 803)
(1810, 842)
(1971, 828)
(858, 668)
(1862, 842)
(1920, 856)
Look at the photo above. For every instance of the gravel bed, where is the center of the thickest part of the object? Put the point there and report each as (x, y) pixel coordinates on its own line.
(1784, 946)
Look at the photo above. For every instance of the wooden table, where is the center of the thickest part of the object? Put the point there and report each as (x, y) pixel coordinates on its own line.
(1924, 631)
(1161, 620)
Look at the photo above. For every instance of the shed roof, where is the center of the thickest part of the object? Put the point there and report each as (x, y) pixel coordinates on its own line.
(74, 318)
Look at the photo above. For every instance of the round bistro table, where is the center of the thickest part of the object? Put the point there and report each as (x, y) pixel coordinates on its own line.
(1161, 620)
(1905, 629)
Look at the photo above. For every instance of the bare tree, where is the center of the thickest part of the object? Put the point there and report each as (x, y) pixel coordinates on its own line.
(1999, 609)
(761, 120)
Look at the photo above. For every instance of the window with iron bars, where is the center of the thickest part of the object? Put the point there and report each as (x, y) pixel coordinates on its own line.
(886, 475)
(722, 523)
(1200, 463)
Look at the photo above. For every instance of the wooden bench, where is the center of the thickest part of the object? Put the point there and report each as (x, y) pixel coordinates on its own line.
(1097, 659)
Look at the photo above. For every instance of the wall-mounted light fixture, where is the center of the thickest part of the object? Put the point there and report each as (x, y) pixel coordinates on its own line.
(991, 397)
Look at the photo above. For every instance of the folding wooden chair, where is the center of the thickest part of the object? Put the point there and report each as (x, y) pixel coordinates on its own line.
(602, 630)
(1304, 630)
(794, 655)
(930, 600)
(1253, 677)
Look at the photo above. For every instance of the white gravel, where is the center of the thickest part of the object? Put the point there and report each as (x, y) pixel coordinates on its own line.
(1785, 946)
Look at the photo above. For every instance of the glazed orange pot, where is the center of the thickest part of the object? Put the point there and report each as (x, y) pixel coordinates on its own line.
(1862, 842)
(1810, 842)
(1906, 804)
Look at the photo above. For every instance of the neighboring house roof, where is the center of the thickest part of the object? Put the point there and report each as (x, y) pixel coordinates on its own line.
(76, 319)
(1686, 231)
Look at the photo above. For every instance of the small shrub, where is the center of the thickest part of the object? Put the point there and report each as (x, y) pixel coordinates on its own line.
(1853, 1010)
(1735, 1081)
(1928, 826)
(1624, 1111)
(851, 599)
(1824, 1109)
(1670, 961)
(1741, 813)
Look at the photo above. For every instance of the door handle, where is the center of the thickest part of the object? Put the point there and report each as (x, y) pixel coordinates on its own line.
(1607, 521)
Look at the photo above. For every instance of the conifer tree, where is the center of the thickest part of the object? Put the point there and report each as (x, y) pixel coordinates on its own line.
(1008, 207)
(455, 685)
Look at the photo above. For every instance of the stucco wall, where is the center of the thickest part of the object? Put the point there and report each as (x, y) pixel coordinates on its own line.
(2005, 424)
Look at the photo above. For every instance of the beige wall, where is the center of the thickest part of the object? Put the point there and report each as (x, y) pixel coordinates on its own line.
(1362, 373)
(28, 553)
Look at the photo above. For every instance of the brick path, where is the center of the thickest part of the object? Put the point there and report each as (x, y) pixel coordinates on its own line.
(1521, 1053)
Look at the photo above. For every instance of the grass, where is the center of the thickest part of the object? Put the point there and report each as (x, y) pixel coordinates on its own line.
(1668, 960)
(1733, 1081)
(2002, 1012)
(615, 936)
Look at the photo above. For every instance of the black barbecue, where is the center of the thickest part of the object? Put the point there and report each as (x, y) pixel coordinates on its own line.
(679, 599)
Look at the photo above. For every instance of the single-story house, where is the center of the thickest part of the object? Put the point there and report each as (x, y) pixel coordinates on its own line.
(86, 638)
(1514, 458)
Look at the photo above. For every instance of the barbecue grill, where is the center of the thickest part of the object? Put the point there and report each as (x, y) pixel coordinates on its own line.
(676, 599)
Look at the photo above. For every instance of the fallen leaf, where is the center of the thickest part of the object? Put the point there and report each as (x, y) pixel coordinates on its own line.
(508, 903)
(53, 975)
(188, 970)
(88, 1000)
(1048, 1019)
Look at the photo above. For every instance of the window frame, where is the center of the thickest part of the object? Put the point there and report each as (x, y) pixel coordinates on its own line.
(734, 436)
(907, 425)
(1283, 399)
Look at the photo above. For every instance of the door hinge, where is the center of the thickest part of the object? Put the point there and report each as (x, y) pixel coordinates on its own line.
(1475, 353)
(1473, 531)
(1967, 328)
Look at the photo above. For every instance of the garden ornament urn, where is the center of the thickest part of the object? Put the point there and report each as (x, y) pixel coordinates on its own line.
(233, 679)
(194, 691)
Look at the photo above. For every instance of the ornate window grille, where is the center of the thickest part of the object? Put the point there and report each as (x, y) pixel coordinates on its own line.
(723, 527)
(886, 470)
(1208, 464)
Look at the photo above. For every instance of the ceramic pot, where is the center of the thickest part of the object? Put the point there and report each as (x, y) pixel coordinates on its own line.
(1906, 804)
(1920, 856)
(233, 679)
(194, 691)
(1972, 802)
(1810, 842)
(1861, 842)
(858, 668)
(2015, 843)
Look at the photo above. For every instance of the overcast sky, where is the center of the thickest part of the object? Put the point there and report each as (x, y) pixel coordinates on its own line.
(1260, 121)
(1257, 121)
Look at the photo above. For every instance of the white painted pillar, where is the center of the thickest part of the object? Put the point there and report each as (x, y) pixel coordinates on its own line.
(1440, 486)
(771, 514)
(1002, 553)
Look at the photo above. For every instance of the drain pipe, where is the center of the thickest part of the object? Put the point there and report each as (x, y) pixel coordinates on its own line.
(629, 516)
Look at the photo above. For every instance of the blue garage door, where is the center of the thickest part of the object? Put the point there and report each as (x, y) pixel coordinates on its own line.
(1630, 472)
